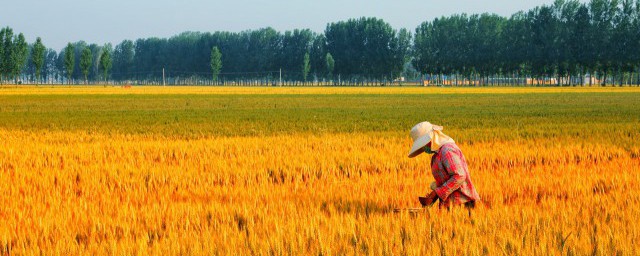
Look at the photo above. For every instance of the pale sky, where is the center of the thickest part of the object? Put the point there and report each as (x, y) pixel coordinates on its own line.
(58, 22)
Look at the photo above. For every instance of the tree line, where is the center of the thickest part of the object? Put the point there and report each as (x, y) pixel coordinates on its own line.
(563, 42)
(568, 42)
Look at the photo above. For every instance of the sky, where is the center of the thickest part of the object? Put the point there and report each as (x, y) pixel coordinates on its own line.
(58, 22)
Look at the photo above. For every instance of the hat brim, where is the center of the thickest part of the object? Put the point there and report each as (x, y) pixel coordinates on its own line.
(418, 145)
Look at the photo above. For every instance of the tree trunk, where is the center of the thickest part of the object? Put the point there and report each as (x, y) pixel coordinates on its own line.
(456, 80)
(638, 76)
(628, 77)
(621, 77)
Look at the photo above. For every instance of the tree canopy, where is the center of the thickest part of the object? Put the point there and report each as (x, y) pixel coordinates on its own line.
(85, 62)
(37, 56)
(565, 42)
(106, 62)
(216, 62)
(565, 39)
(365, 47)
(69, 60)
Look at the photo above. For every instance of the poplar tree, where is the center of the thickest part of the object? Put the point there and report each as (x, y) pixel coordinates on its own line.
(6, 40)
(105, 62)
(86, 58)
(19, 55)
(330, 64)
(2, 51)
(305, 67)
(69, 61)
(216, 62)
(37, 56)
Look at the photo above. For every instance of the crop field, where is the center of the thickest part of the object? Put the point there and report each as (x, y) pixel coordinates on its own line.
(314, 171)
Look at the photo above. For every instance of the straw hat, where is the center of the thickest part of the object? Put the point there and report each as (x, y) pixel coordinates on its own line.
(422, 134)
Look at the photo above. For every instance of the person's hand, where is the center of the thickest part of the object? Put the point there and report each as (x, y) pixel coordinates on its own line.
(432, 197)
(433, 186)
(429, 199)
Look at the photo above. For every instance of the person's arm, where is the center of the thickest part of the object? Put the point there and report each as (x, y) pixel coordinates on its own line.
(454, 166)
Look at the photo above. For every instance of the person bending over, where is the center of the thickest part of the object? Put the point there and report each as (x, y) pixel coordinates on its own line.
(452, 184)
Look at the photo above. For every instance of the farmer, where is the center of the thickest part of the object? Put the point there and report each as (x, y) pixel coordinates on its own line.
(449, 168)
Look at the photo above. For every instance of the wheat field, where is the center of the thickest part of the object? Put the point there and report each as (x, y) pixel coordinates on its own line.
(302, 171)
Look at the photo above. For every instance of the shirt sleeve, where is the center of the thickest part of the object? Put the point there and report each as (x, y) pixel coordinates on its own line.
(454, 167)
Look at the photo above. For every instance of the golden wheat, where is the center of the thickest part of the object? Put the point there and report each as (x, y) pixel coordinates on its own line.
(89, 193)
(86, 192)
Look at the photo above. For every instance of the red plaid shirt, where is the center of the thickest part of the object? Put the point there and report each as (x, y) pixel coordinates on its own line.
(449, 168)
